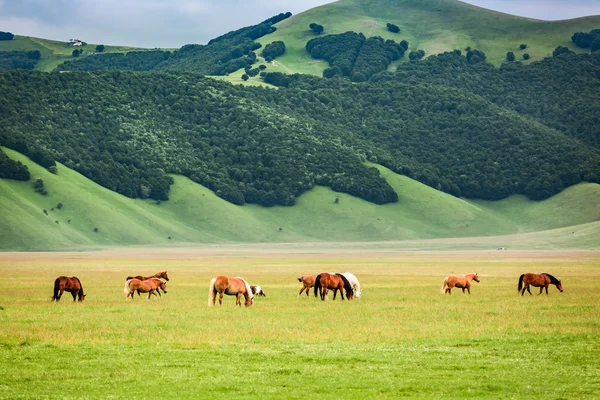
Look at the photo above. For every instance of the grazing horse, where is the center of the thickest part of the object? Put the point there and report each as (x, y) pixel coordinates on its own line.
(307, 281)
(542, 281)
(72, 285)
(325, 282)
(232, 287)
(460, 282)
(149, 286)
(354, 283)
(257, 290)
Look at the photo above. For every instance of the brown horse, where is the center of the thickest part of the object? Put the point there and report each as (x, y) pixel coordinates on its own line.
(149, 286)
(72, 285)
(461, 282)
(325, 282)
(307, 281)
(542, 281)
(160, 275)
(232, 287)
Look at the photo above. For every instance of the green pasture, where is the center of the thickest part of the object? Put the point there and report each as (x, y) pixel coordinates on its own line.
(423, 218)
(402, 339)
(432, 25)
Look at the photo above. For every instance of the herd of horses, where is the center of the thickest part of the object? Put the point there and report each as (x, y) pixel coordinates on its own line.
(346, 283)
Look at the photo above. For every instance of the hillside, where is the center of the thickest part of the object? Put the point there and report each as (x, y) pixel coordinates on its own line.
(54, 52)
(195, 214)
(432, 25)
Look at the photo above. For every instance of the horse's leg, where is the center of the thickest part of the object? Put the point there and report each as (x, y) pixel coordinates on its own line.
(220, 298)
(528, 289)
(238, 302)
(74, 293)
(468, 289)
(541, 290)
(342, 294)
(463, 289)
(301, 290)
(546, 290)
(60, 294)
(334, 293)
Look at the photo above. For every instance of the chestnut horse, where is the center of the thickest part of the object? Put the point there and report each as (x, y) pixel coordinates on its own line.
(307, 281)
(161, 275)
(232, 287)
(542, 281)
(72, 285)
(325, 282)
(149, 286)
(460, 282)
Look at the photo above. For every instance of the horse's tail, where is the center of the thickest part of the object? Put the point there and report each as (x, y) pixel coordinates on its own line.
(521, 282)
(126, 288)
(443, 290)
(211, 292)
(56, 288)
(317, 284)
(347, 285)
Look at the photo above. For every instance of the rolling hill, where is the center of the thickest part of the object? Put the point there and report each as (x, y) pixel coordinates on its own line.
(435, 26)
(196, 215)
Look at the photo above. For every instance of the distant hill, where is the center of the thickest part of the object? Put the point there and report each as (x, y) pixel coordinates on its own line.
(432, 25)
(195, 214)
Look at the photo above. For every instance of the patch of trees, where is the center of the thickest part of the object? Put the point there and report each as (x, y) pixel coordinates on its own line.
(221, 56)
(393, 28)
(352, 55)
(11, 169)
(510, 56)
(416, 55)
(589, 40)
(6, 36)
(100, 48)
(316, 28)
(10, 60)
(273, 50)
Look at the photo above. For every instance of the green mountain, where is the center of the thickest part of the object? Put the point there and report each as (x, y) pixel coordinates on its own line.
(195, 214)
(435, 26)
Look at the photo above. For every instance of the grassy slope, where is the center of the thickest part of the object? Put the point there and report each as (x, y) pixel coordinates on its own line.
(433, 25)
(54, 52)
(196, 215)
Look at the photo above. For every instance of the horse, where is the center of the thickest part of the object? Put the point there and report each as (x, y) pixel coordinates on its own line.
(161, 275)
(149, 286)
(327, 281)
(542, 281)
(460, 282)
(232, 287)
(354, 283)
(307, 281)
(72, 285)
(257, 290)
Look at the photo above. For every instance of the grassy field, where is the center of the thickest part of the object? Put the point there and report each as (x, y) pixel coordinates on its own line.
(55, 52)
(402, 339)
(195, 214)
(432, 25)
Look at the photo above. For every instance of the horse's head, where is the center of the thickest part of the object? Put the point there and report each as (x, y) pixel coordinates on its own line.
(559, 286)
(163, 286)
(82, 297)
(165, 276)
(476, 277)
(249, 301)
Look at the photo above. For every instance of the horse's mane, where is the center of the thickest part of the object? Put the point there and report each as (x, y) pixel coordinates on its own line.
(553, 280)
(80, 285)
(347, 285)
(248, 288)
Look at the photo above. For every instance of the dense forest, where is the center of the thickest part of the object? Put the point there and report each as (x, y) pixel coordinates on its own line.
(352, 55)
(221, 56)
(19, 59)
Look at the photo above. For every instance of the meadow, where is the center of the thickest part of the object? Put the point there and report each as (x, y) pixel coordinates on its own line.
(401, 339)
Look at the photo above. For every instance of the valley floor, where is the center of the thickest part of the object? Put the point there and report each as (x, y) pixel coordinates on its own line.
(401, 339)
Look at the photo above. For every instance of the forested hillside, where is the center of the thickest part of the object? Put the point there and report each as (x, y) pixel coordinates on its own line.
(468, 129)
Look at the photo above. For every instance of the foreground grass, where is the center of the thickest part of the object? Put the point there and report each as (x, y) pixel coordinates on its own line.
(402, 339)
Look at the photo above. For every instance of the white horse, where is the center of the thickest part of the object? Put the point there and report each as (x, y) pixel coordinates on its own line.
(257, 291)
(354, 283)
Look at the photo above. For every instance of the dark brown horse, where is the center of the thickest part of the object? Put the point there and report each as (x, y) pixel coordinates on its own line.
(325, 282)
(72, 285)
(232, 287)
(149, 286)
(160, 275)
(461, 282)
(542, 281)
(307, 281)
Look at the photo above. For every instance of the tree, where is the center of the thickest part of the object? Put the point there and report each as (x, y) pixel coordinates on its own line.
(38, 186)
(393, 28)
(404, 44)
(526, 56)
(316, 28)
(245, 77)
(76, 53)
(416, 55)
(100, 48)
(510, 56)
(523, 46)
(595, 45)
(6, 36)
(560, 50)
(273, 50)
